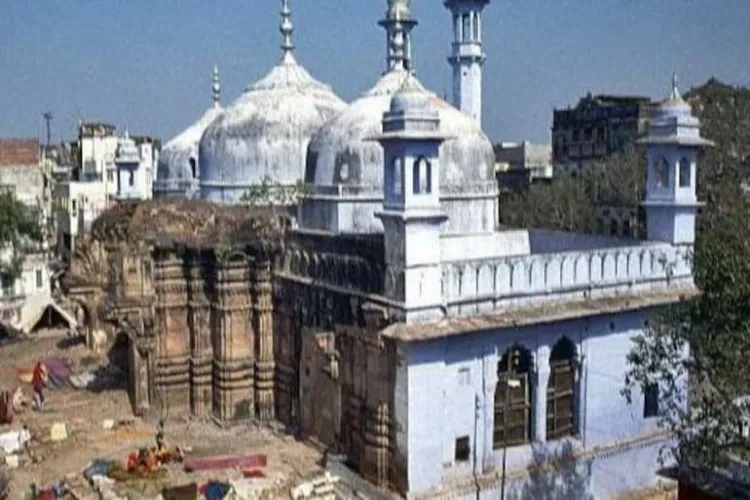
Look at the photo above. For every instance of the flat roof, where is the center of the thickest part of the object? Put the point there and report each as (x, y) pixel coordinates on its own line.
(545, 313)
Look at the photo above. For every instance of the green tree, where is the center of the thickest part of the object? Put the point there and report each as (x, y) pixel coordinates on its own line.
(706, 342)
(268, 192)
(20, 231)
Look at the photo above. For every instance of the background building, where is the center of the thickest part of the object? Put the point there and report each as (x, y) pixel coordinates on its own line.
(23, 296)
(597, 127)
(518, 164)
(97, 181)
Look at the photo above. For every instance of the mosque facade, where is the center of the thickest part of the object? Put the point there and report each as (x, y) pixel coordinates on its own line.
(391, 319)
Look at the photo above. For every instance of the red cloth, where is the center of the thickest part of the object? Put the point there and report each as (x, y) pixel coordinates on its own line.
(38, 376)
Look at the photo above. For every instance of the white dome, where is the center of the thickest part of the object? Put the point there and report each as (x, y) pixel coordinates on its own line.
(178, 168)
(265, 133)
(340, 153)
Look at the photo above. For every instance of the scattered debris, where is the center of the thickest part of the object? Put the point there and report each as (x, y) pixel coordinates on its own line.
(58, 432)
(14, 441)
(241, 461)
(320, 488)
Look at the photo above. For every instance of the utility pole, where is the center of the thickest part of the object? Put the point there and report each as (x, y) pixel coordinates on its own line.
(48, 119)
(510, 383)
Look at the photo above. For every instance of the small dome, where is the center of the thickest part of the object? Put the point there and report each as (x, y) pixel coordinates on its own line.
(264, 134)
(178, 168)
(410, 97)
(126, 150)
(674, 105)
(340, 152)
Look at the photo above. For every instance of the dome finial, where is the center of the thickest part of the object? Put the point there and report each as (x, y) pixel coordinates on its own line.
(675, 95)
(286, 28)
(216, 87)
(398, 24)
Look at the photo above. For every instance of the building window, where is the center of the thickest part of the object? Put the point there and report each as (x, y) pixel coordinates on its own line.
(39, 278)
(422, 175)
(73, 206)
(587, 134)
(110, 176)
(193, 170)
(650, 401)
(466, 28)
(464, 376)
(576, 135)
(561, 390)
(6, 282)
(662, 173)
(131, 178)
(626, 229)
(614, 228)
(463, 449)
(398, 176)
(684, 172)
(512, 427)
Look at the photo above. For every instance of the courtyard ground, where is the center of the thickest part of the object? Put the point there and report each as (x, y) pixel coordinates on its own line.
(83, 412)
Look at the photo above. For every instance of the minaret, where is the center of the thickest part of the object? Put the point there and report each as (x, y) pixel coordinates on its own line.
(398, 24)
(673, 143)
(411, 215)
(287, 29)
(216, 88)
(467, 56)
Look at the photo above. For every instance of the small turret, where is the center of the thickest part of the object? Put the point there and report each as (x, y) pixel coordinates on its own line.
(673, 144)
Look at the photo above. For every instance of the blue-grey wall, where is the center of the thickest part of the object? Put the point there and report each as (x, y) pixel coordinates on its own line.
(449, 389)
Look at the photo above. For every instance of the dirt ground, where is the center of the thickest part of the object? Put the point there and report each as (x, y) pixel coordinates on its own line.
(83, 412)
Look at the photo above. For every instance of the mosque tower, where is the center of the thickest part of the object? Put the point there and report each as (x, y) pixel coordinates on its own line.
(398, 24)
(673, 143)
(467, 56)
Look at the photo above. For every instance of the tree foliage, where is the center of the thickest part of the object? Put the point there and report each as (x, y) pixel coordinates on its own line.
(268, 192)
(706, 341)
(571, 202)
(20, 231)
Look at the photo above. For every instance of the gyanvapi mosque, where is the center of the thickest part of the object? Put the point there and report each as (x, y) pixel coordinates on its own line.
(495, 365)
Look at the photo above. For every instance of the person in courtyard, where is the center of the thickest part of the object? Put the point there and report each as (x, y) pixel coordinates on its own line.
(38, 380)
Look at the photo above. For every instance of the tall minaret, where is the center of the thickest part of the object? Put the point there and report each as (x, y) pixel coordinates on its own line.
(216, 88)
(467, 56)
(286, 28)
(398, 24)
(673, 143)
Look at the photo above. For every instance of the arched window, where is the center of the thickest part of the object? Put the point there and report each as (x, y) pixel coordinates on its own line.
(466, 28)
(131, 178)
(626, 229)
(512, 393)
(662, 173)
(561, 390)
(398, 175)
(192, 167)
(614, 229)
(422, 176)
(684, 172)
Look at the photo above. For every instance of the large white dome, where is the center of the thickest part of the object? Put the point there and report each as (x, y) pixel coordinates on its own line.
(265, 133)
(178, 169)
(344, 167)
(341, 152)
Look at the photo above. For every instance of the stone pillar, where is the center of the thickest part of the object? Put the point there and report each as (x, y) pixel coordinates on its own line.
(201, 352)
(264, 355)
(233, 397)
(541, 358)
(283, 332)
(375, 466)
(172, 370)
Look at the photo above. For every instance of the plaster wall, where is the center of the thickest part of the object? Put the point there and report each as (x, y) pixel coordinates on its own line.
(450, 384)
(481, 285)
(351, 209)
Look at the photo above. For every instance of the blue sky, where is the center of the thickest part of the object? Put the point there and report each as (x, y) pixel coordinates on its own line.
(146, 64)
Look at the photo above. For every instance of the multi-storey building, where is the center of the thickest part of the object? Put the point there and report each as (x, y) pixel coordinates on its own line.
(595, 128)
